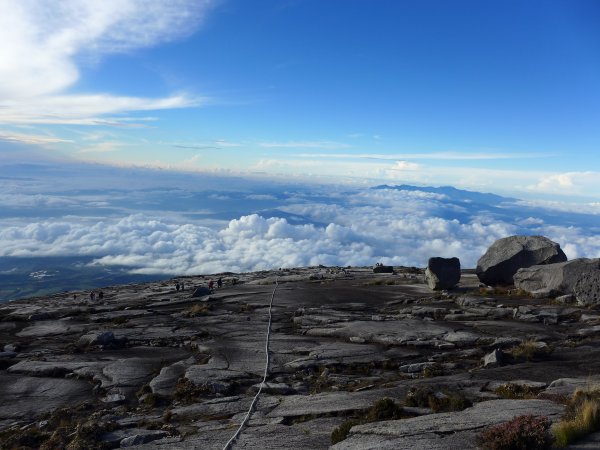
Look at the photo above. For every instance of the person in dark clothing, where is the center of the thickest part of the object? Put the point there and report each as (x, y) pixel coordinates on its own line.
(177, 287)
(101, 295)
(220, 282)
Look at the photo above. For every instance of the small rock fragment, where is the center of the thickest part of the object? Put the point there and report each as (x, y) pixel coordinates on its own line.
(495, 358)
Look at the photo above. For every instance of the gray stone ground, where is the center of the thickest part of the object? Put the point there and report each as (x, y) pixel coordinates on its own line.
(154, 367)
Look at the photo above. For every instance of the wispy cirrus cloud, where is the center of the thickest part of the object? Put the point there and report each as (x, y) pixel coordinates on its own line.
(30, 138)
(331, 145)
(448, 156)
(209, 145)
(85, 109)
(46, 41)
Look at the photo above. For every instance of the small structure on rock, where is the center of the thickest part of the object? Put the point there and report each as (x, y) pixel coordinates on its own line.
(380, 268)
(442, 273)
(201, 291)
(507, 255)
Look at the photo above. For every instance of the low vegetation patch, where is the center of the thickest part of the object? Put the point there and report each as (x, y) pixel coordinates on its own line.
(198, 310)
(381, 282)
(71, 429)
(526, 432)
(517, 391)
(435, 370)
(445, 401)
(120, 320)
(384, 409)
(582, 417)
(186, 391)
(247, 307)
(340, 433)
(530, 350)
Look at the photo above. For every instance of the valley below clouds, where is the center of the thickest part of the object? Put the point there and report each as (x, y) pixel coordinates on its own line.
(154, 223)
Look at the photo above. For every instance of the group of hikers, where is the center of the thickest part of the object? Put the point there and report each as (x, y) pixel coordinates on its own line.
(179, 286)
(211, 284)
(92, 296)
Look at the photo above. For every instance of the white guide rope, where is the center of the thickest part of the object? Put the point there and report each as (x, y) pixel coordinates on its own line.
(229, 444)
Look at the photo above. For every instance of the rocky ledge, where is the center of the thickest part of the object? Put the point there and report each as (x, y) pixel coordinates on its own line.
(153, 366)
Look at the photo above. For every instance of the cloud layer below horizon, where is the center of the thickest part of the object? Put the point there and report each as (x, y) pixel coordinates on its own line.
(253, 228)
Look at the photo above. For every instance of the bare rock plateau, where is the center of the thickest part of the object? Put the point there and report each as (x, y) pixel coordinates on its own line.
(154, 367)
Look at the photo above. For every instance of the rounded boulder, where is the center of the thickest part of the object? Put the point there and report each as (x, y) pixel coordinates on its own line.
(507, 255)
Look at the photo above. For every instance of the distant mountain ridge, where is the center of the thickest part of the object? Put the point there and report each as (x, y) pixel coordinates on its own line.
(453, 193)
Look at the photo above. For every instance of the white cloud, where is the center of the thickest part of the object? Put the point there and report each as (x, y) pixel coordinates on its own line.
(304, 144)
(584, 183)
(30, 138)
(102, 147)
(45, 41)
(85, 109)
(448, 156)
(405, 165)
(566, 207)
(395, 227)
(175, 232)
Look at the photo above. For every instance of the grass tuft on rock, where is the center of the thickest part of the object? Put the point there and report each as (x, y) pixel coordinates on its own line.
(383, 409)
(198, 310)
(340, 433)
(530, 350)
(517, 391)
(446, 401)
(582, 417)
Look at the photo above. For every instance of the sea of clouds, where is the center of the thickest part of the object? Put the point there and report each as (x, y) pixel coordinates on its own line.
(156, 222)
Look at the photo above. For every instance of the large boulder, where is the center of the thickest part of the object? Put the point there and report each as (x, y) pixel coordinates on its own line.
(507, 255)
(580, 277)
(442, 273)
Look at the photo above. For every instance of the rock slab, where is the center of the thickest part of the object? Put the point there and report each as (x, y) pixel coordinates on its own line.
(580, 277)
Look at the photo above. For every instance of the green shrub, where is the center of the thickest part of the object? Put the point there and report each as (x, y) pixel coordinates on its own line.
(384, 409)
(526, 432)
(451, 401)
(418, 397)
(424, 397)
(340, 433)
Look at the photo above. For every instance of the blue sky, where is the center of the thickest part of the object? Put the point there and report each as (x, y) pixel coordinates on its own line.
(500, 96)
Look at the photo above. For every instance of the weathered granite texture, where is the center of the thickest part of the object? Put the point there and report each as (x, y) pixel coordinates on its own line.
(158, 368)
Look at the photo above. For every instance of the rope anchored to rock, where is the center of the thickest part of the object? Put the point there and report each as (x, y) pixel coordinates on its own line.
(231, 441)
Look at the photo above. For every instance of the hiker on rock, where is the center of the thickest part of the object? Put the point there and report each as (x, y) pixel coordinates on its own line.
(220, 282)
(177, 287)
(211, 285)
